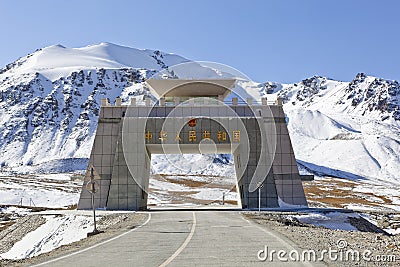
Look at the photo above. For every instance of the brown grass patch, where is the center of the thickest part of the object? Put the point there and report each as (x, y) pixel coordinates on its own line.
(189, 183)
(338, 193)
(193, 183)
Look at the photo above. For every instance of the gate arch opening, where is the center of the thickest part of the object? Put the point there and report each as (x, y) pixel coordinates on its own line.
(200, 181)
(259, 141)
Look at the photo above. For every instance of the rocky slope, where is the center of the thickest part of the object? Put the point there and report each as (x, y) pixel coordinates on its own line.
(49, 103)
(345, 129)
(49, 109)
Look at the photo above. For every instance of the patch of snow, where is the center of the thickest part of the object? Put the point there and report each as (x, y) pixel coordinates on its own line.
(191, 164)
(15, 210)
(285, 205)
(331, 220)
(55, 232)
(215, 194)
(53, 191)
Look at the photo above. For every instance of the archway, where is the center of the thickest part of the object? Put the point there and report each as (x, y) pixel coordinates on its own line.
(186, 121)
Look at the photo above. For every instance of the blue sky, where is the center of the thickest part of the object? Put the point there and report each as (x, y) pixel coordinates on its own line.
(283, 41)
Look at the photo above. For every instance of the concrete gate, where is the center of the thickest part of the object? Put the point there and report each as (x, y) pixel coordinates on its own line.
(191, 117)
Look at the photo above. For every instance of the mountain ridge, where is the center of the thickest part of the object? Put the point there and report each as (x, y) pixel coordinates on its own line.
(49, 111)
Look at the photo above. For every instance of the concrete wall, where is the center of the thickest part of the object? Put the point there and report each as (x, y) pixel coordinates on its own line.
(121, 153)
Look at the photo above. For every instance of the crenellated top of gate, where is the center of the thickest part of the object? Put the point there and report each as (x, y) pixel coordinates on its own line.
(191, 88)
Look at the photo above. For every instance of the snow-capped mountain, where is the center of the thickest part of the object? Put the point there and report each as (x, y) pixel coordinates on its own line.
(365, 95)
(50, 99)
(345, 129)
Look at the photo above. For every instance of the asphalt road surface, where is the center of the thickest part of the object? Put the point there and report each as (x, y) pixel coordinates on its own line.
(187, 238)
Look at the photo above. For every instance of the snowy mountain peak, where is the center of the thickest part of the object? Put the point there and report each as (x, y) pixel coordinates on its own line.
(305, 93)
(52, 97)
(55, 46)
(58, 61)
(363, 96)
(50, 100)
(373, 95)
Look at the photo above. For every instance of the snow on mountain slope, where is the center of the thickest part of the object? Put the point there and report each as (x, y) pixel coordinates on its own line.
(323, 127)
(57, 61)
(50, 99)
(364, 96)
(348, 130)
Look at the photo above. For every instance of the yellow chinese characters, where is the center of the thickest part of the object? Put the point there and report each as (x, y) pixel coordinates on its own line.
(163, 136)
(192, 136)
(221, 135)
(236, 136)
(148, 135)
(178, 137)
(206, 135)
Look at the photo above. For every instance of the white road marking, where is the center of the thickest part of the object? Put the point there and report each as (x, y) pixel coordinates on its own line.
(305, 263)
(94, 246)
(183, 246)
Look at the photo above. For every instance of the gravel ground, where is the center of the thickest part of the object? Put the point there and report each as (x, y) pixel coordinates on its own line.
(111, 224)
(15, 232)
(304, 235)
(309, 237)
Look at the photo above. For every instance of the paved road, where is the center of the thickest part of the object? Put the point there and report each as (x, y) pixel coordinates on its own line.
(187, 238)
